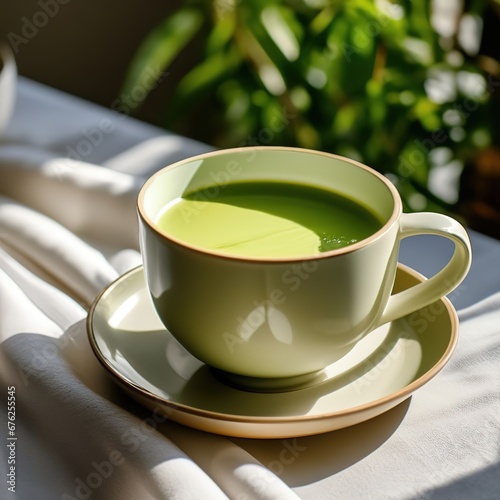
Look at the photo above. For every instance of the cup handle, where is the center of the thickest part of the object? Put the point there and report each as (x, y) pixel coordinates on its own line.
(442, 283)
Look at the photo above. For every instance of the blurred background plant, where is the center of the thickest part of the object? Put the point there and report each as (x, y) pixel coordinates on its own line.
(407, 87)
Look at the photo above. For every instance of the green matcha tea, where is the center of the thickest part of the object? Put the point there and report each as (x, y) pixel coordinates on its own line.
(267, 219)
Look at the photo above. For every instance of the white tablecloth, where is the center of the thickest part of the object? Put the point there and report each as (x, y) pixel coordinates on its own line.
(69, 174)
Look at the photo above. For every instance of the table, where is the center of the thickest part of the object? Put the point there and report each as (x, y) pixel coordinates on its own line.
(442, 443)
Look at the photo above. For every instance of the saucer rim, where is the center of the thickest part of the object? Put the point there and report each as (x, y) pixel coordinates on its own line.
(396, 397)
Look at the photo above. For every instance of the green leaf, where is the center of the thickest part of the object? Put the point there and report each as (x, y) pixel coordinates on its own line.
(356, 48)
(262, 56)
(376, 102)
(201, 79)
(208, 72)
(282, 28)
(345, 120)
(426, 111)
(160, 48)
(221, 35)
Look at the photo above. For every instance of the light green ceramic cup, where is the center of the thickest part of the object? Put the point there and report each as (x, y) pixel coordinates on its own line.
(276, 323)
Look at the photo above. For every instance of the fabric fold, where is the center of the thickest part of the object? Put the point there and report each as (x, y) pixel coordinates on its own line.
(52, 303)
(234, 469)
(125, 453)
(80, 267)
(91, 201)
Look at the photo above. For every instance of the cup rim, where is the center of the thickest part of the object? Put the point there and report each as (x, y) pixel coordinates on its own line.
(396, 212)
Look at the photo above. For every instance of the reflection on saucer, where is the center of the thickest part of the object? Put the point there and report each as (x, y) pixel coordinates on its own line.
(184, 364)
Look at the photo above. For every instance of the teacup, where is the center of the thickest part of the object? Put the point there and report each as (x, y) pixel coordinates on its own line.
(274, 322)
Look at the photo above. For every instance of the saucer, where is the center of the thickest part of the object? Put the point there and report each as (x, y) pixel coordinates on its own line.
(382, 370)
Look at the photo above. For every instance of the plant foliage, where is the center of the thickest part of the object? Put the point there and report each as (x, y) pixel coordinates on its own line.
(371, 80)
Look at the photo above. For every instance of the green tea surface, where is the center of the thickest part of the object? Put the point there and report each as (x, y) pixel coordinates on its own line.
(267, 219)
